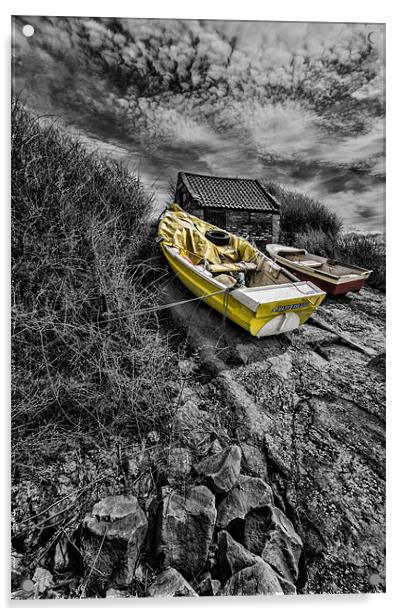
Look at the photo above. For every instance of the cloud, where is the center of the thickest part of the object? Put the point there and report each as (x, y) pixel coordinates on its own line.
(306, 92)
(315, 64)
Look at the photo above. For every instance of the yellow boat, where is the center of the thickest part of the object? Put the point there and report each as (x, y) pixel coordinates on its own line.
(235, 278)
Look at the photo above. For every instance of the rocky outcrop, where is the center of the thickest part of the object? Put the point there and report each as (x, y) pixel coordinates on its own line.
(250, 492)
(232, 556)
(113, 535)
(170, 583)
(254, 461)
(208, 586)
(221, 470)
(179, 465)
(259, 579)
(271, 535)
(186, 524)
(175, 545)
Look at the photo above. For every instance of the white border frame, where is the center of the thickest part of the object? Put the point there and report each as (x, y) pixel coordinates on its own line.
(290, 10)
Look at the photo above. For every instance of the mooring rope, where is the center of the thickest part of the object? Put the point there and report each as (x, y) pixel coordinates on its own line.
(165, 306)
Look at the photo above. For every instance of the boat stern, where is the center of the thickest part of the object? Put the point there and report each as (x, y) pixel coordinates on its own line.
(288, 312)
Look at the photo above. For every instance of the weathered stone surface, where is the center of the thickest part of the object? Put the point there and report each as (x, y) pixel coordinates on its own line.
(221, 470)
(287, 587)
(232, 556)
(282, 364)
(186, 525)
(320, 424)
(179, 464)
(119, 525)
(271, 535)
(191, 423)
(207, 586)
(254, 461)
(170, 583)
(259, 579)
(250, 492)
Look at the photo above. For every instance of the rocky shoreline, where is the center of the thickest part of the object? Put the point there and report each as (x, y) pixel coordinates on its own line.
(273, 482)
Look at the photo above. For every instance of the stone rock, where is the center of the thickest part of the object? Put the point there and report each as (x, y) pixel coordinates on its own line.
(378, 363)
(170, 583)
(271, 535)
(215, 587)
(191, 423)
(179, 464)
(141, 574)
(281, 364)
(251, 492)
(118, 524)
(259, 579)
(287, 587)
(221, 470)
(207, 586)
(254, 461)
(186, 525)
(232, 556)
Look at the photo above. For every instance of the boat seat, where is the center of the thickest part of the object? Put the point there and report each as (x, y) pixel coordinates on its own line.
(223, 268)
(226, 280)
(311, 263)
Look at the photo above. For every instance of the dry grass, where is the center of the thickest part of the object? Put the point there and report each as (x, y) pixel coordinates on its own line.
(300, 213)
(84, 368)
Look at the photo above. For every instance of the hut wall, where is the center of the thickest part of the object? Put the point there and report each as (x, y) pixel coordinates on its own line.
(184, 199)
(260, 227)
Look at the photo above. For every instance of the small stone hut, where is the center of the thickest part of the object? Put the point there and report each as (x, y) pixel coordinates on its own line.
(240, 205)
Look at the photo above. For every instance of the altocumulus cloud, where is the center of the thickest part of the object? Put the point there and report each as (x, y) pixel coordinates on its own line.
(166, 80)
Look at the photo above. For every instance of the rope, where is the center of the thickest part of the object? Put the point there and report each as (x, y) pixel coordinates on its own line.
(165, 306)
(225, 305)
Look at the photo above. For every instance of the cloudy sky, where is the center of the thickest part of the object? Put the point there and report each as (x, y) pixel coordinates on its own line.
(299, 103)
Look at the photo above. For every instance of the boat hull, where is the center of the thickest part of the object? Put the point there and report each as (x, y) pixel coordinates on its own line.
(268, 319)
(330, 287)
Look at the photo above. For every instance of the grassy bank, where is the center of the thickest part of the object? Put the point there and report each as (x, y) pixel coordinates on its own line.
(308, 223)
(85, 369)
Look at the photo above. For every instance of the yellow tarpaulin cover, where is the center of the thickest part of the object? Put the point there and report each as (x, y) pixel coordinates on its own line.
(187, 233)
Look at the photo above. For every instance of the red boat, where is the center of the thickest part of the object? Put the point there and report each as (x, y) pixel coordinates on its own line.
(333, 277)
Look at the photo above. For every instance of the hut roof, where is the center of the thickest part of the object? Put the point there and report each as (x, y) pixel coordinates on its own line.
(228, 192)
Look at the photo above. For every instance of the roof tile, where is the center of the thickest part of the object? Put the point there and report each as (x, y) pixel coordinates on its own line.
(229, 193)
